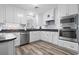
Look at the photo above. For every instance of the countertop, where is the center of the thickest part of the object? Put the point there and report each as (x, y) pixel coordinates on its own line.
(8, 34)
(7, 37)
(1, 41)
(21, 30)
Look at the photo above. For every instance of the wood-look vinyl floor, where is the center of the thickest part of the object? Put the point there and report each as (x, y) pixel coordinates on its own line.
(43, 48)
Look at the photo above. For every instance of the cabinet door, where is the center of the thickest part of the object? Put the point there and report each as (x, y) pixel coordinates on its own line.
(2, 14)
(17, 40)
(10, 14)
(44, 36)
(23, 19)
(71, 45)
(55, 37)
(72, 9)
(18, 15)
(30, 22)
(34, 36)
(62, 10)
(47, 36)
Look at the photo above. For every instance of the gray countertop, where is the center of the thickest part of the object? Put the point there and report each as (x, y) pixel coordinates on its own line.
(8, 34)
(21, 30)
(7, 37)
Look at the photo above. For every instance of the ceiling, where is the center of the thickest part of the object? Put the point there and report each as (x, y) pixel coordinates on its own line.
(31, 7)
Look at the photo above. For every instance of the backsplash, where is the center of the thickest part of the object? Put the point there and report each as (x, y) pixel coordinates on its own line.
(50, 26)
(12, 26)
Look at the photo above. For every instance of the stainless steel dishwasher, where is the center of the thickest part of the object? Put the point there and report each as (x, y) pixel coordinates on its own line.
(24, 38)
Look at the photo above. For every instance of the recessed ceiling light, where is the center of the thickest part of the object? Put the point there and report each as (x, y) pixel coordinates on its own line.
(20, 15)
(35, 4)
(31, 13)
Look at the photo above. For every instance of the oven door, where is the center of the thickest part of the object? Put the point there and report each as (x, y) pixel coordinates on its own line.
(68, 34)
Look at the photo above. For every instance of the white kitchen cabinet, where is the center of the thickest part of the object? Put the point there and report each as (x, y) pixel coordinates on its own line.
(67, 9)
(72, 9)
(51, 37)
(71, 45)
(67, 44)
(34, 36)
(46, 36)
(55, 37)
(10, 12)
(30, 22)
(2, 14)
(20, 16)
(62, 10)
(49, 34)
(17, 40)
(24, 18)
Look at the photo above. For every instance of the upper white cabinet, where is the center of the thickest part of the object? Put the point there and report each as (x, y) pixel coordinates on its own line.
(15, 15)
(22, 16)
(62, 10)
(32, 21)
(2, 14)
(29, 22)
(72, 9)
(18, 15)
(67, 9)
(10, 12)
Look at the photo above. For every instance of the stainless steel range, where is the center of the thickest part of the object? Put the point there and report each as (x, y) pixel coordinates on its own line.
(69, 29)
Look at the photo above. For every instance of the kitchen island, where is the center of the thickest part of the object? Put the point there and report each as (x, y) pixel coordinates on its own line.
(7, 44)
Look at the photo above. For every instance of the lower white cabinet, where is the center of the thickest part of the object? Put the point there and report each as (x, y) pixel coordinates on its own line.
(55, 36)
(67, 44)
(17, 41)
(34, 36)
(46, 36)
